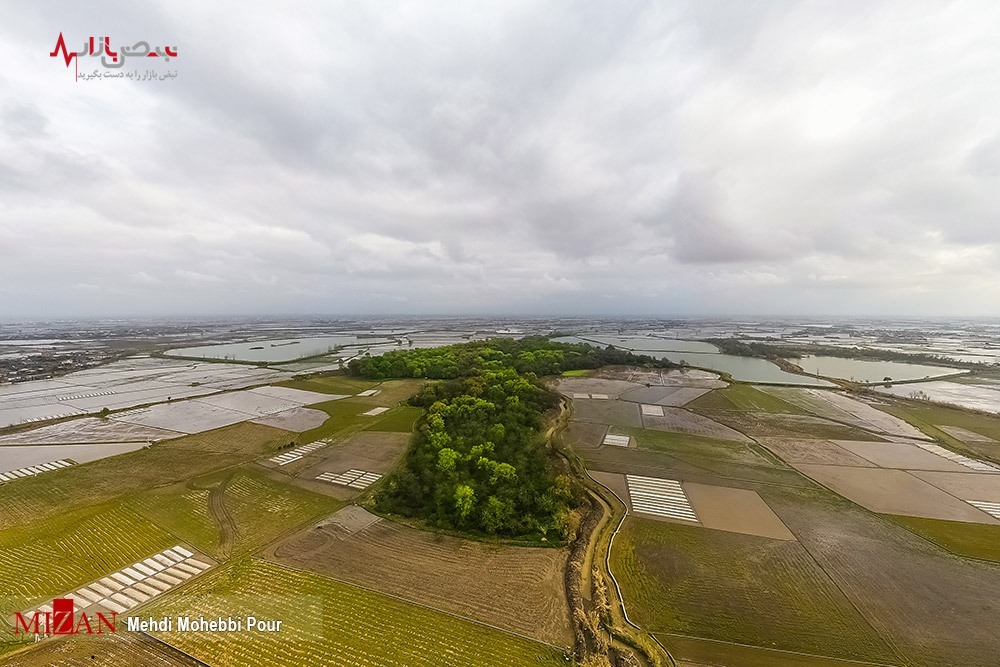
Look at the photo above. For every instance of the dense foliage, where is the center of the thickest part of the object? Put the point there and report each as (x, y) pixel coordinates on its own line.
(766, 350)
(479, 460)
(535, 354)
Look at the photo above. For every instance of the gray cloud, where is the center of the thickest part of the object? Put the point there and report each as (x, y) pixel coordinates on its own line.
(517, 157)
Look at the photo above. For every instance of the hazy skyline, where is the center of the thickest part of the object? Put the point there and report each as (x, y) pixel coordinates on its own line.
(535, 158)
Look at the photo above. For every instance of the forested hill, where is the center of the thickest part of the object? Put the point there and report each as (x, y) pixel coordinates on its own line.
(479, 461)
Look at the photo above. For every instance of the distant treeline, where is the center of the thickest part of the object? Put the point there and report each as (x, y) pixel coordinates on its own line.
(479, 461)
(534, 354)
(777, 351)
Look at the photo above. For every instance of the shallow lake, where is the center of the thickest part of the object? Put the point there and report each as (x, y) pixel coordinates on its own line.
(747, 369)
(870, 371)
(273, 350)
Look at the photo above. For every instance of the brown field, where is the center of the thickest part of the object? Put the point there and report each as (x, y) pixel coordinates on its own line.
(678, 419)
(901, 456)
(894, 492)
(584, 435)
(799, 450)
(931, 605)
(674, 396)
(735, 510)
(613, 412)
(515, 588)
(965, 485)
(373, 451)
(694, 652)
(592, 385)
(689, 378)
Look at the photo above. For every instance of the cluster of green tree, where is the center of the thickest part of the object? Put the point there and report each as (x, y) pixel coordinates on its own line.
(776, 351)
(534, 354)
(479, 462)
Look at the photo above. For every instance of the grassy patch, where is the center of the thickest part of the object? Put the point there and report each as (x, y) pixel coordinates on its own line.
(740, 588)
(345, 417)
(398, 421)
(975, 540)
(744, 397)
(326, 622)
(75, 547)
(264, 508)
(578, 373)
(181, 510)
(335, 384)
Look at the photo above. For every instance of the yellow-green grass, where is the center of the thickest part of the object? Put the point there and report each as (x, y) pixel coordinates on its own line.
(264, 508)
(75, 547)
(334, 384)
(325, 622)
(743, 397)
(344, 417)
(687, 446)
(975, 540)
(261, 508)
(578, 373)
(164, 463)
(399, 420)
(738, 588)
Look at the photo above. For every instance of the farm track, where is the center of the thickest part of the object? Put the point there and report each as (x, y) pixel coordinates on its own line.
(228, 530)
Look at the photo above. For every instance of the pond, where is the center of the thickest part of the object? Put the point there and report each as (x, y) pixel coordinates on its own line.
(702, 355)
(870, 371)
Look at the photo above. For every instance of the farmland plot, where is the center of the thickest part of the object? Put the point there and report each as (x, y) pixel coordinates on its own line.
(326, 622)
(518, 588)
(740, 588)
(87, 429)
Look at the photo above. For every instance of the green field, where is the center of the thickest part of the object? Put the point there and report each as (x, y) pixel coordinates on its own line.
(261, 509)
(337, 384)
(975, 540)
(740, 588)
(399, 420)
(75, 547)
(744, 397)
(578, 373)
(328, 623)
(345, 417)
(687, 446)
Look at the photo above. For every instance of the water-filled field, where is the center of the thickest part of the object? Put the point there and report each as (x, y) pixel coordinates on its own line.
(870, 371)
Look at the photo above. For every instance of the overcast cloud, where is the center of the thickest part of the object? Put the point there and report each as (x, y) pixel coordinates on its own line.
(516, 157)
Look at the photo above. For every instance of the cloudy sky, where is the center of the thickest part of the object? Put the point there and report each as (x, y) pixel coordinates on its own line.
(513, 157)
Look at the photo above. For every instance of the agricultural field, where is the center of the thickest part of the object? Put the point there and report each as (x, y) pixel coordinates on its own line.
(86, 429)
(328, 622)
(399, 420)
(929, 418)
(371, 451)
(337, 385)
(738, 588)
(920, 597)
(164, 463)
(231, 512)
(747, 398)
(55, 555)
(344, 415)
(516, 588)
(973, 540)
(118, 650)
